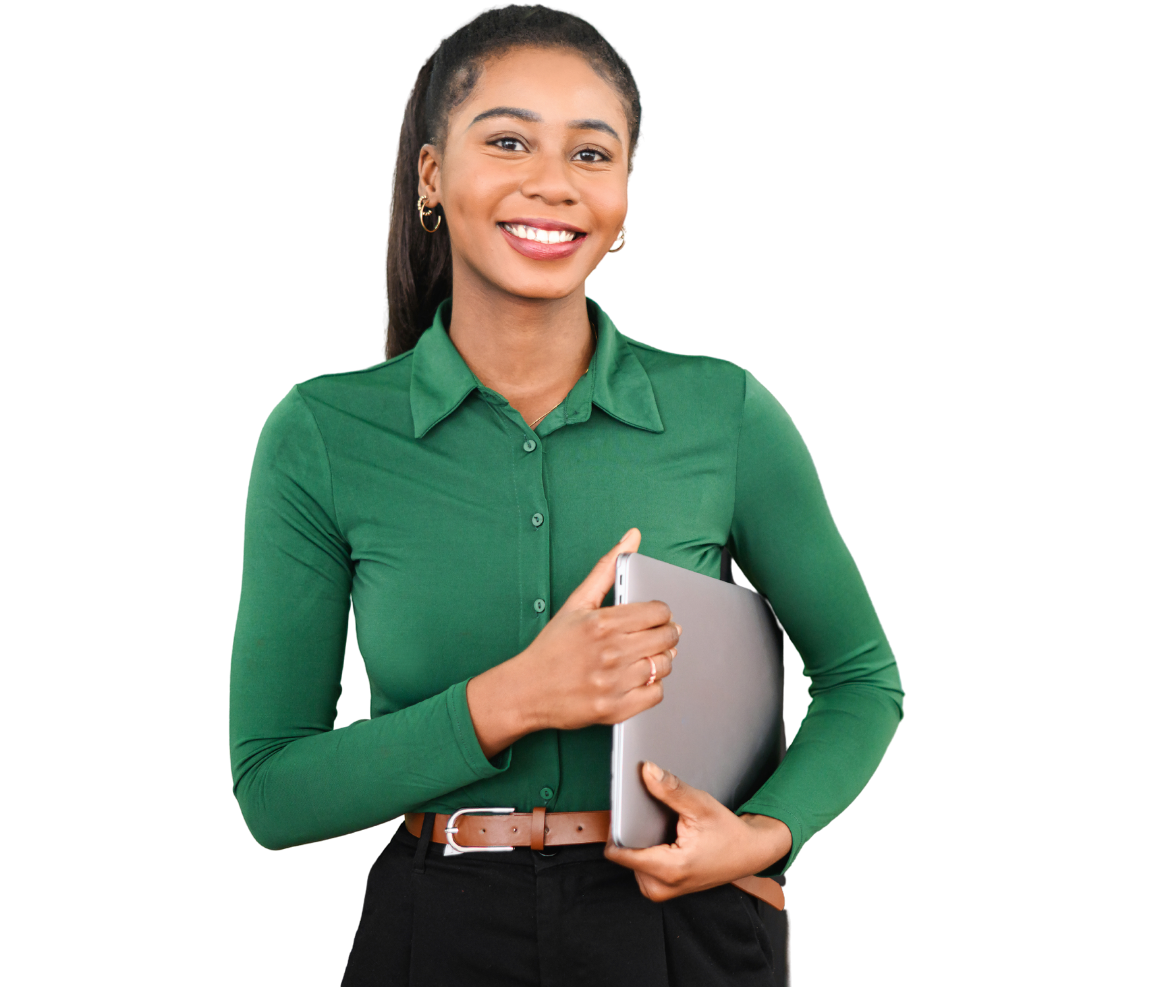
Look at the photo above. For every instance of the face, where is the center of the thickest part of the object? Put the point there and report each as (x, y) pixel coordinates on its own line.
(533, 174)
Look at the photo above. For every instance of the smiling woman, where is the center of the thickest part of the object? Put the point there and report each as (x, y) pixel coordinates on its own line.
(462, 496)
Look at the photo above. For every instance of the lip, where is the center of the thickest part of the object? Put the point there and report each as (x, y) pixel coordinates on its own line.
(543, 251)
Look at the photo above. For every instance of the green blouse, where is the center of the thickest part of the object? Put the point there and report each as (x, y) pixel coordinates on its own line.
(419, 495)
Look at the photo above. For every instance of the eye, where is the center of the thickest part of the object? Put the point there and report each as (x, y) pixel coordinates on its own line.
(508, 143)
(601, 155)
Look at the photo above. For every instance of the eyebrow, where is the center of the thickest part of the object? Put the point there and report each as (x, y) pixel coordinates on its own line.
(531, 117)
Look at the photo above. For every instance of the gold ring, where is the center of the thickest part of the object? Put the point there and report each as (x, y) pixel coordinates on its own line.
(654, 672)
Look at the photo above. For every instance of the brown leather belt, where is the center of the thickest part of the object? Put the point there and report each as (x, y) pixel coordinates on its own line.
(502, 829)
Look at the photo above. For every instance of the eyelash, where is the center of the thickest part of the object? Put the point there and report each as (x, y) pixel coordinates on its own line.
(603, 157)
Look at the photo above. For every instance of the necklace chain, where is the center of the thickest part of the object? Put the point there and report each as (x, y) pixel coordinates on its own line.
(537, 420)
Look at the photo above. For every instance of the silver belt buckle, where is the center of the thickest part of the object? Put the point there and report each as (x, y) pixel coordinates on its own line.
(451, 829)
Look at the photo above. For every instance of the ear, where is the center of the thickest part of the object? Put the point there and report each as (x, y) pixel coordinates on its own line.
(429, 169)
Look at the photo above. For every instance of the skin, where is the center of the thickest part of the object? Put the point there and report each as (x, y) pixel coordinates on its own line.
(520, 322)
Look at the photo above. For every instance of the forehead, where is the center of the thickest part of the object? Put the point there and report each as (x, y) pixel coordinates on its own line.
(556, 84)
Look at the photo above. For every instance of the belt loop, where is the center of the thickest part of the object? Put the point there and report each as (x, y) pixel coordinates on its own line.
(537, 830)
(424, 839)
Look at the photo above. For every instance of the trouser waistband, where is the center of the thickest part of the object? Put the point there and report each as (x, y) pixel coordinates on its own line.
(489, 829)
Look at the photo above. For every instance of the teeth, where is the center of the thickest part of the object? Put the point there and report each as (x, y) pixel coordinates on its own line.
(541, 236)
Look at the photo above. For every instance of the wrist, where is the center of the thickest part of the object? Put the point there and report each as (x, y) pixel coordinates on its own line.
(772, 837)
(516, 690)
(502, 709)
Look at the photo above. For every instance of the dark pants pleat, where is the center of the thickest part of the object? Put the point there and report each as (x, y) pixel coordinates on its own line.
(567, 919)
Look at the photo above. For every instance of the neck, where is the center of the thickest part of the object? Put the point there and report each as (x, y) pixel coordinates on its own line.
(530, 351)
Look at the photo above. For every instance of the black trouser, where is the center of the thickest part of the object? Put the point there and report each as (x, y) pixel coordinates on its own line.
(565, 918)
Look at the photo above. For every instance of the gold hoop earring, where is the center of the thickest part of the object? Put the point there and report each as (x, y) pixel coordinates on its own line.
(439, 220)
(622, 241)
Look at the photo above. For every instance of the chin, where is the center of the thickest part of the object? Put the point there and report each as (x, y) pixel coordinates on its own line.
(540, 286)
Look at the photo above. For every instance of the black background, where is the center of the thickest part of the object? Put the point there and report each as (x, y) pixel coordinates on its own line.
(786, 213)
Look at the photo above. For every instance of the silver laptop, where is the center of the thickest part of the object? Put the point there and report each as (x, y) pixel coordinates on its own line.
(719, 726)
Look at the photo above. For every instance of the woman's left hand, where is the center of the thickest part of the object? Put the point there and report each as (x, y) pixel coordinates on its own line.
(713, 845)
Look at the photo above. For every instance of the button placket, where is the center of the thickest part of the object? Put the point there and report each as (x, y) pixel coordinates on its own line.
(533, 533)
(534, 537)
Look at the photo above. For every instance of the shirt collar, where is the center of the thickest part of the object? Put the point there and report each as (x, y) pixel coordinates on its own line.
(441, 380)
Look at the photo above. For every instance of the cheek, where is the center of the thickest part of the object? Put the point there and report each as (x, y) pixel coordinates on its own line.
(608, 203)
(473, 197)
(619, 208)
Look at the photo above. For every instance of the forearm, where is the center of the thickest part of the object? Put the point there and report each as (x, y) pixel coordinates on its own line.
(503, 706)
(297, 789)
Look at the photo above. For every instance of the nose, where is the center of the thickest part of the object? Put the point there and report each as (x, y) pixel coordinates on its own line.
(549, 179)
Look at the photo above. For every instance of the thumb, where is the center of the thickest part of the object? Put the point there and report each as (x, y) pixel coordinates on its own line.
(674, 792)
(588, 596)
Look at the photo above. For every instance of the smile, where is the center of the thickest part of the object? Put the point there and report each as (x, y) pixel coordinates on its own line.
(542, 239)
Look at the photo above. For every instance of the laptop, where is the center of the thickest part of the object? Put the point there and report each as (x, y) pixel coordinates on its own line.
(719, 726)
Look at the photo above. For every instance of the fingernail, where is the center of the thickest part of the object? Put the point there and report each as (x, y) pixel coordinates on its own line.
(679, 630)
(656, 771)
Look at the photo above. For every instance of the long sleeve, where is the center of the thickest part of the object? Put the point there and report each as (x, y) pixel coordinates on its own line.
(786, 542)
(296, 778)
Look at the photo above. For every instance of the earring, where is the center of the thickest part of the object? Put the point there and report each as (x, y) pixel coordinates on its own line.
(622, 241)
(427, 212)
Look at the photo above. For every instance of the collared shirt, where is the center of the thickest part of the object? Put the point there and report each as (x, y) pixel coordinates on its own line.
(421, 496)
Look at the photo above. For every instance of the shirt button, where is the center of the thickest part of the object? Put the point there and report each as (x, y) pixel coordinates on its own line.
(546, 793)
(529, 445)
(539, 606)
(537, 520)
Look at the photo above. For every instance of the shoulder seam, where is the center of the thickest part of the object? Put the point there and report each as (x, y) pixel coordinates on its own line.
(326, 451)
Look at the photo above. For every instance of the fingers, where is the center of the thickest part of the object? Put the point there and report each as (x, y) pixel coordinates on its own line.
(633, 616)
(650, 642)
(639, 673)
(676, 793)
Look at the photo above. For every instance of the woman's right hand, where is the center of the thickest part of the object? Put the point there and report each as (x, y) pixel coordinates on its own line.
(590, 664)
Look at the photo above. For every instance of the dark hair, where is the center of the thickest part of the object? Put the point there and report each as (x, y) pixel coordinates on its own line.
(419, 264)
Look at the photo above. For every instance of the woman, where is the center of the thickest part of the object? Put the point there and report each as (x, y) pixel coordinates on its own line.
(461, 494)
